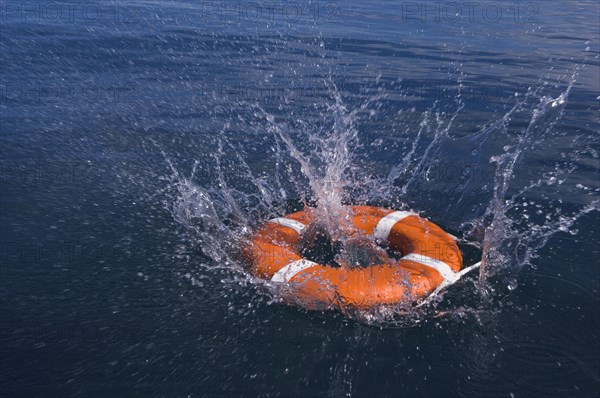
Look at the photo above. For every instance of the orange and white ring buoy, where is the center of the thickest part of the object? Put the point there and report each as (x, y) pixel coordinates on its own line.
(431, 259)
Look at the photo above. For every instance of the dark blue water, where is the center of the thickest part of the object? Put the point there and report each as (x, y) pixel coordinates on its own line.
(106, 107)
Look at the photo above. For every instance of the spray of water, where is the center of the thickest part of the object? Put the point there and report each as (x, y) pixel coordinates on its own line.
(315, 164)
(505, 243)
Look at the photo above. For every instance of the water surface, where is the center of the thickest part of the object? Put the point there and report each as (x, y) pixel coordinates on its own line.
(118, 118)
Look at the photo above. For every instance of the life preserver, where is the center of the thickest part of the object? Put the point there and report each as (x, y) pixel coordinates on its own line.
(430, 258)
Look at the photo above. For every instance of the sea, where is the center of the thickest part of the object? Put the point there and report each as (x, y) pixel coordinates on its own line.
(142, 143)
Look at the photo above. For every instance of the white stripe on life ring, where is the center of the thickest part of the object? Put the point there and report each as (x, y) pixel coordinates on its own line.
(440, 266)
(288, 222)
(385, 225)
(286, 273)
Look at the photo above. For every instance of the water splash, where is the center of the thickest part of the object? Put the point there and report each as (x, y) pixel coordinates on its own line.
(326, 165)
(512, 237)
(315, 164)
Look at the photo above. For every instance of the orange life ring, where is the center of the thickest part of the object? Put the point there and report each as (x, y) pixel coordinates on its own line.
(430, 257)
